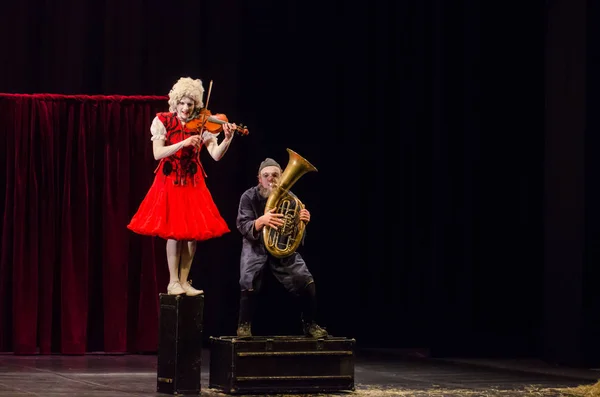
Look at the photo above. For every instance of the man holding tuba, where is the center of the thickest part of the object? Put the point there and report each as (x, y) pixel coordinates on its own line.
(253, 222)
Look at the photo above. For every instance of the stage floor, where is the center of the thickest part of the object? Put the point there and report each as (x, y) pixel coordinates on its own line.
(377, 373)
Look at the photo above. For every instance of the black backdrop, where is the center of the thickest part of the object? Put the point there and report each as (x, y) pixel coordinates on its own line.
(438, 187)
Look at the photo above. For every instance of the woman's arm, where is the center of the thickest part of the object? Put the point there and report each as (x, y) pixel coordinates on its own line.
(159, 134)
(161, 151)
(216, 150)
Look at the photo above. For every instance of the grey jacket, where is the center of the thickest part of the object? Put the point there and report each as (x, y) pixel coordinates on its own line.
(254, 255)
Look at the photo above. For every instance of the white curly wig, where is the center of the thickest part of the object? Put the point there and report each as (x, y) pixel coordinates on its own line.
(186, 87)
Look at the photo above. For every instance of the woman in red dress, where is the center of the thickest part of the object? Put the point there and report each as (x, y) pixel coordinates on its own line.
(179, 207)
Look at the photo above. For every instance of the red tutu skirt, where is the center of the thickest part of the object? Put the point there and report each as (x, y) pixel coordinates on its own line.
(178, 212)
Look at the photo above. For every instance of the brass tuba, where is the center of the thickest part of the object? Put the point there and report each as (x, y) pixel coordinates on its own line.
(283, 241)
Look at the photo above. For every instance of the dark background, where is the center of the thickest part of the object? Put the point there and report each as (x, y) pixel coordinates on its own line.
(454, 207)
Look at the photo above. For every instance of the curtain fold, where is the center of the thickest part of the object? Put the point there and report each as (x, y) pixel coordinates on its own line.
(76, 168)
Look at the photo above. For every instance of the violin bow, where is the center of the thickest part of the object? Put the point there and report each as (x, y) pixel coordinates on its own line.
(203, 124)
(208, 95)
(206, 104)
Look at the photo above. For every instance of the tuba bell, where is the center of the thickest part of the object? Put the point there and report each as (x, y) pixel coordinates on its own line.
(283, 241)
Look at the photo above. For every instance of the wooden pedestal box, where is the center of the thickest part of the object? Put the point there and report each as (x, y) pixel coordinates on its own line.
(180, 344)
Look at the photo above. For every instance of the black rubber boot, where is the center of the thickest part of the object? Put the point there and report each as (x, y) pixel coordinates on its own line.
(308, 302)
(313, 330)
(247, 305)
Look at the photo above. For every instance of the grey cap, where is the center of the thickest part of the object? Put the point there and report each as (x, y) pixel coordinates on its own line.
(267, 163)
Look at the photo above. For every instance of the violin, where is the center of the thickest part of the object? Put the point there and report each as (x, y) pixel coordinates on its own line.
(213, 123)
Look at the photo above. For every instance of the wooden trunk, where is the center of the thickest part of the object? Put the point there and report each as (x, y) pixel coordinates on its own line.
(281, 364)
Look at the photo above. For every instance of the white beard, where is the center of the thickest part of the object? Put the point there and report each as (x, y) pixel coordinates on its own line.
(263, 191)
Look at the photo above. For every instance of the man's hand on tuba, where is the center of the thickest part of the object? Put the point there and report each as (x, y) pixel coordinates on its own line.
(304, 215)
(271, 219)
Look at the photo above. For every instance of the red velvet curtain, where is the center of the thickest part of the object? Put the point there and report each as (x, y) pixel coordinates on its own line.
(73, 278)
